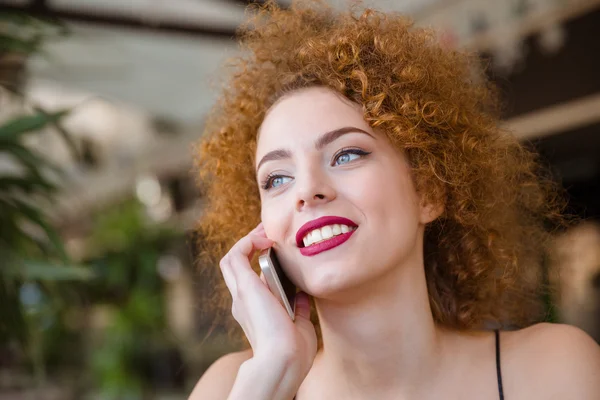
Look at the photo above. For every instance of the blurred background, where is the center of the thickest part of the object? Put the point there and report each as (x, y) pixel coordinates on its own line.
(100, 102)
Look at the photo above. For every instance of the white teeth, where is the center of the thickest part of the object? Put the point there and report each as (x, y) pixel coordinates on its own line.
(337, 229)
(324, 233)
(316, 235)
(308, 239)
(327, 232)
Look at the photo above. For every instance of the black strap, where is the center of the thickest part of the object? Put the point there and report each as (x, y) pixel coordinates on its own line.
(498, 369)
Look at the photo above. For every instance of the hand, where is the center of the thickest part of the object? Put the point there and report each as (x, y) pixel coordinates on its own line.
(275, 339)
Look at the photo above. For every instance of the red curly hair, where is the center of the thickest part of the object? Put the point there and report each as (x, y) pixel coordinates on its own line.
(483, 254)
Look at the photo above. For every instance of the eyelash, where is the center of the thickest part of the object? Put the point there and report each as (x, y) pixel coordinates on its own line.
(268, 181)
(266, 184)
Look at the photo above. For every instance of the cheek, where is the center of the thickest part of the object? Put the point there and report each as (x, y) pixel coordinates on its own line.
(269, 222)
(274, 220)
(384, 190)
(388, 201)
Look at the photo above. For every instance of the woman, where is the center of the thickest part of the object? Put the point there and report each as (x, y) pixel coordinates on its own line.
(371, 160)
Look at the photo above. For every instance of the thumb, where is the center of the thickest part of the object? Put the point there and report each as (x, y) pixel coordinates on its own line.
(302, 305)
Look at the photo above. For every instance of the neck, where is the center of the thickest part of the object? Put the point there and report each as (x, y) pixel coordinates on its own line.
(384, 338)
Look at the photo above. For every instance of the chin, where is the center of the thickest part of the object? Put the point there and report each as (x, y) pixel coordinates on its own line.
(330, 283)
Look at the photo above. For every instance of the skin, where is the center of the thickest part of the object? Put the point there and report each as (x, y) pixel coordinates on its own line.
(380, 338)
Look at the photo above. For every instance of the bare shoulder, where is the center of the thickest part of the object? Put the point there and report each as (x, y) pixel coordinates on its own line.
(550, 361)
(217, 381)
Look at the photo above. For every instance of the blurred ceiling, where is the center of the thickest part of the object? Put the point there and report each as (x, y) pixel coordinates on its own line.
(166, 75)
(149, 60)
(165, 56)
(159, 55)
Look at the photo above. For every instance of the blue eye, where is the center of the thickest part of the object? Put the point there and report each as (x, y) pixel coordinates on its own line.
(345, 158)
(279, 180)
(273, 181)
(347, 155)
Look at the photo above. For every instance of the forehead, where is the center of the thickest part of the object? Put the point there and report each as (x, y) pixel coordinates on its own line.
(304, 115)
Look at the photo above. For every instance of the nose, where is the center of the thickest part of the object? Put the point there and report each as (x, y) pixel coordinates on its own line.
(314, 189)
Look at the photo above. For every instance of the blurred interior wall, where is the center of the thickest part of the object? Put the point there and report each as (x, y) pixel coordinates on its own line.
(575, 273)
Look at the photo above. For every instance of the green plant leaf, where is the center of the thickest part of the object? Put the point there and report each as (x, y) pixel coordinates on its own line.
(31, 123)
(12, 323)
(11, 236)
(30, 160)
(28, 184)
(19, 45)
(65, 136)
(36, 216)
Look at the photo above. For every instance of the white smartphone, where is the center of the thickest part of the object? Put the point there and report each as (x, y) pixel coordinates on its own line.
(278, 283)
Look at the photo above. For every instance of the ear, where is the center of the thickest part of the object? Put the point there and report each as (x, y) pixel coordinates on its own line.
(431, 210)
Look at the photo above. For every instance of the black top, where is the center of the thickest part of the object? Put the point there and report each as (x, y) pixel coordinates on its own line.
(498, 367)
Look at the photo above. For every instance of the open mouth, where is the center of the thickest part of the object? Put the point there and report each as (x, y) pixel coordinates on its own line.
(323, 234)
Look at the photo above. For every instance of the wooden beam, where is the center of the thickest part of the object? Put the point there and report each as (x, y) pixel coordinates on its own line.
(534, 24)
(556, 119)
(42, 9)
(248, 2)
(542, 80)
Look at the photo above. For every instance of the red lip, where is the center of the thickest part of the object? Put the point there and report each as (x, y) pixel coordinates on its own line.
(328, 244)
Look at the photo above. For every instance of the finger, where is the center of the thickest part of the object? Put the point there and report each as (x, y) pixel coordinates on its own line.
(302, 305)
(248, 335)
(258, 228)
(243, 250)
(228, 275)
(263, 279)
(250, 243)
(260, 232)
(243, 276)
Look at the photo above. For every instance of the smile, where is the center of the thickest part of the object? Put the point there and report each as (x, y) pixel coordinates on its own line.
(323, 234)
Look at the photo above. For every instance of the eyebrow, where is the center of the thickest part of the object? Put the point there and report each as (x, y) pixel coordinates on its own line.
(322, 141)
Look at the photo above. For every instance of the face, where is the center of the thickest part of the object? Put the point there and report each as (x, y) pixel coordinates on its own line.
(337, 196)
